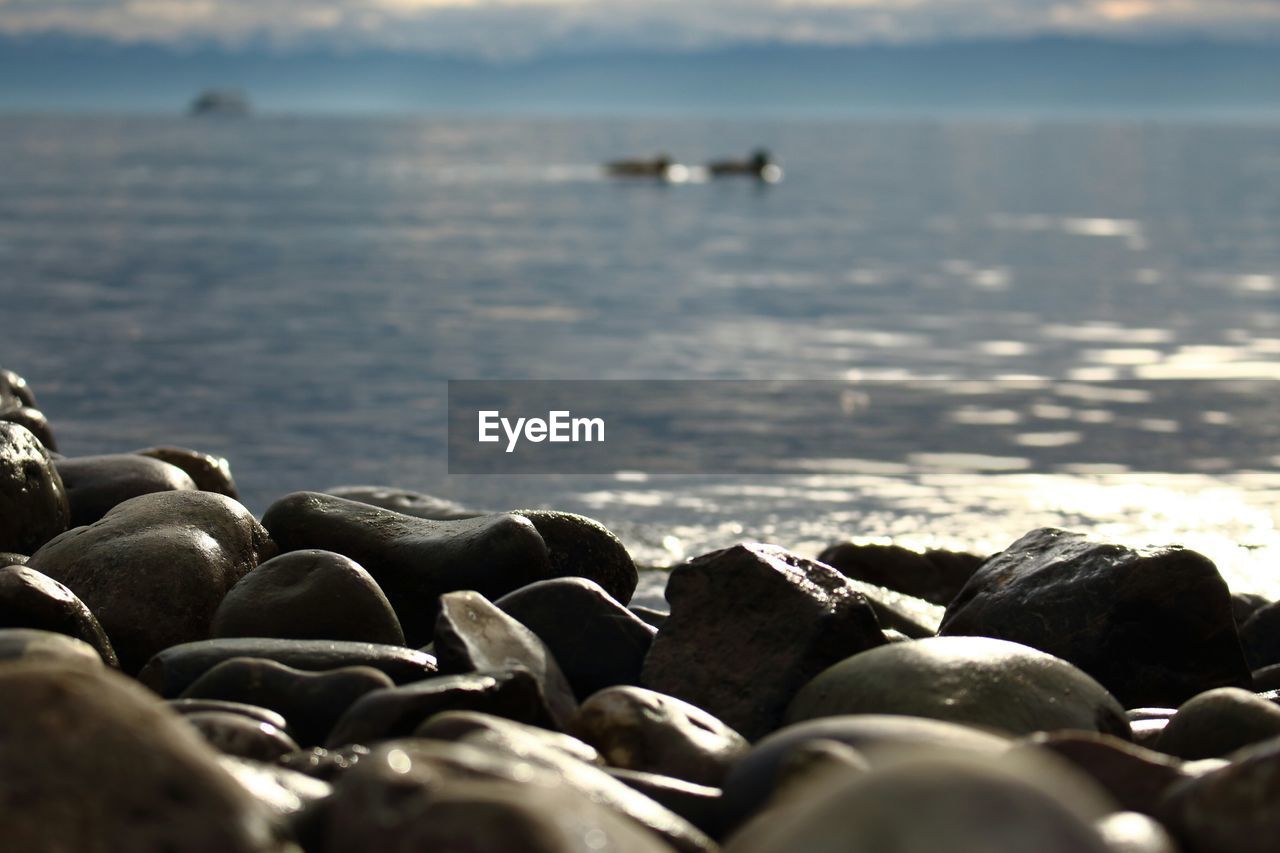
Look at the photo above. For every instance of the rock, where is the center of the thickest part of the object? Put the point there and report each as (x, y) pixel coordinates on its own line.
(935, 576)
(1154, 626)
(824, 763)
(253, 712)
(308, 595)
(655, 618)
(879, 739)
(35, 421)
(472, 635)
(406, 502)
(456, 725)
(95, 484)
(1260, 636)
(601, 645)
(210, 473)
(638, 729)
(29, 599)
(386, 714)
(1146, 733)
(1130, 832)
(1267, 678)
(698, 804)
(414, 560)
(156, 567)
(1244, 605)
(1136, 778)
(923, 806)
(32, 645)
(173, 670)
(749, 625)
(914, 618)
(236, 734)
(33, 501)
(312, 702)
(974, 680)
(8, 558)
(581, 547)
(284, 792)
(449, 797)
(1218, 722)
(91, 762)
(14, 391)
(324, 764)
(1230, 809)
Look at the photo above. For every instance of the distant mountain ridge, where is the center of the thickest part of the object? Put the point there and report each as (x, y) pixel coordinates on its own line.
(1040, 76)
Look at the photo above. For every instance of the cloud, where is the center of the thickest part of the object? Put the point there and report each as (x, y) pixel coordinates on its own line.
(514, 28)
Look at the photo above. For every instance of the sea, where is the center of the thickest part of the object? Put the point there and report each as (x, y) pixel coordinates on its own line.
(295, 292)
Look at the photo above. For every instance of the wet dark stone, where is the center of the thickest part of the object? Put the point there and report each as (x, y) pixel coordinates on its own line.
(935, 576)
(638, 729)
(210, 473)
(1136, 778)
(1146, 733)
(95, 484)
(1244, 605)
(33, 500)
(698, 804)
(977, 681)
(1131, 832)
(1230, 809)
(1154, 626)
(236, 734)
(35, 421)
(472, 635)
(14, 391)
(1267, 678)
(907, 615)
(156, 567)
(430, 795)
(755, 776)
(253, 712)
(29, 599)
(398, 711)
(284, 792)
(749, 625)
(406, 502)
(308, 595)
(173, 670)
(1218, 722)
(90, 761)
(656, 618)
(34, 645)
(581, 547)
(456, 725)
(414, 560)
(324, 764)
(599, 645)
(1260, 635)
(312, 702)
(8, 558)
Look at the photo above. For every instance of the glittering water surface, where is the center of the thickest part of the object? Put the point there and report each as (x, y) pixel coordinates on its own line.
(293, 292)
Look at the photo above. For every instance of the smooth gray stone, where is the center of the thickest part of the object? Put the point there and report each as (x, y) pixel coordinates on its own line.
(414, 560)
(473, 635)
(1218, 722)
(33, 500)
(456, 725)
(308, 595)
(90, 761)
(33, 645)
(29, 599)
(173, 670)
(582, 547)
(96, 484)
(1229, 809)
(35, 421)
(312, 702)
(406, 502)
(14, 391)
(1136, 778)
(210, 473)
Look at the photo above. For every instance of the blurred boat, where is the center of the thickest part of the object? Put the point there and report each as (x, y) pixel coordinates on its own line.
(759, 165)
(220, 102)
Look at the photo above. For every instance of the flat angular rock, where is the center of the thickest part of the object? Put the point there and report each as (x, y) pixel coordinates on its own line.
(173, 670)
(414, 560)
(89, 761)
(972, 680)
(33, 500)
(29, 599)
(935, 576)
(597, 642)
(1230, 809)
(95, 484)
(33, 645)
(1218, 722)
(308, 595)
(1154, 626)
(238, 735)
(156, 567)
(581, 547)
(749, 626)
(638, 729)
(472, 635)
(397, 712)
(312, 702)
(210, 473)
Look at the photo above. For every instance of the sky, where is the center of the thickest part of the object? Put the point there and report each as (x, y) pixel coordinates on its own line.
(518, 29)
